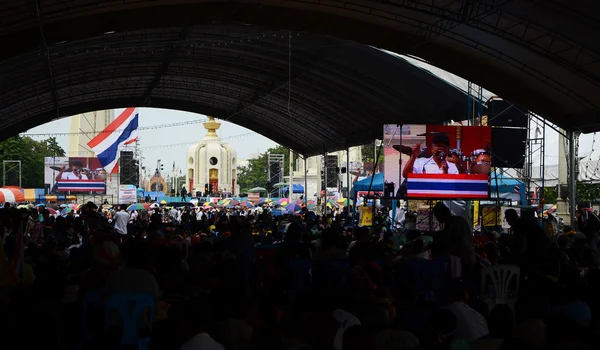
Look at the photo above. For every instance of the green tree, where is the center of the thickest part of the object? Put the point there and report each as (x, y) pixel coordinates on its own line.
(255, 174)
(550, 195)
(31, 153)
(368, 154)
(587, 192)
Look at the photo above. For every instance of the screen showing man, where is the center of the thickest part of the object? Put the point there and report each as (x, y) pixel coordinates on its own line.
(74, 172)
(74, 175)
(438, 161)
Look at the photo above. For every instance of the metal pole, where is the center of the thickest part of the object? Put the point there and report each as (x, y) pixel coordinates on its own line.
(348, 174)
(291, 185)
(324, 184)
(305, 183)
(572, 178)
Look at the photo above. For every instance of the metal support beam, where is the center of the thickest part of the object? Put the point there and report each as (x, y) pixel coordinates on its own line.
(348, 174)
(51, 80)
(164, 66)
(572, 176)
(305, 182)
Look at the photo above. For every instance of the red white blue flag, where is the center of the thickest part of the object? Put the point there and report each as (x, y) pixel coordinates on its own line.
(438, 186)
(81, 186)
(122, 131)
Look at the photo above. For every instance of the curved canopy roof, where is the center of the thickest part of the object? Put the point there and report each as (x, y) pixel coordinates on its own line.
(340, 93)
(230, 59)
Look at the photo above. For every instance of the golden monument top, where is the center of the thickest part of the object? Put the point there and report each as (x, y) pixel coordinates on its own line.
(211, 126)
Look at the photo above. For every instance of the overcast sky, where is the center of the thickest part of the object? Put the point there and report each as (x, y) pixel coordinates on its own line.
(150, 139)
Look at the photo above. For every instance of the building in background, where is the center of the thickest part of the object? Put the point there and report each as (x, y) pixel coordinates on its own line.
(85, 127)
(336, 168)
(211, 163)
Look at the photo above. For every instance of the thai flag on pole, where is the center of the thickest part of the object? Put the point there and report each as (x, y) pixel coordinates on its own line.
(122, 131)
(437, 186)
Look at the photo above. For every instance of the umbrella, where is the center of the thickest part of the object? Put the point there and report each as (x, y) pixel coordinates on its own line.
(293, 207)
(223, 202)
(257, 189)
(280, 184)
(163, 202)
(11, 194)
(106, 206)
(312, 206)
(344, 202)
(41, 205)
(63, 205)
(138, 206)
(209, 204)
(66, 210)
(52, 211)
(23, 206)
(282, 201)
(246, 204)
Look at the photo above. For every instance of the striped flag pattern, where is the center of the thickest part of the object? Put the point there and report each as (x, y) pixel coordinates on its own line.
(438, 186)
(81, 186)
(121, 131)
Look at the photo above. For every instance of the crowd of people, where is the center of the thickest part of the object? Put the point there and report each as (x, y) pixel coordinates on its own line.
(240, 279)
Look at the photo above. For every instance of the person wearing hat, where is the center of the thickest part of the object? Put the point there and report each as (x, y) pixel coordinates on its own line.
(72, 173)
(436, 163)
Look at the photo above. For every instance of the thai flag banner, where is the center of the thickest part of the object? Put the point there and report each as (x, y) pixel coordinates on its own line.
(81, 186)
(121, 131)
(438, 186)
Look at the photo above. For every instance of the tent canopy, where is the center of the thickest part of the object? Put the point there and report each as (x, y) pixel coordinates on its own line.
(363, 185)
(507, 187)
(297, 188)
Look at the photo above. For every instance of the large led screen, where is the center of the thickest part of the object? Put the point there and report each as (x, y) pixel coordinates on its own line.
(437, 161)
(74, 175)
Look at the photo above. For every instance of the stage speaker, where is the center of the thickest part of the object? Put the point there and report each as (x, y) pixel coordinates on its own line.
(562, 191)
(332, 171)
(503, 113)
(508, 147)
(388, 190)
(127, 168)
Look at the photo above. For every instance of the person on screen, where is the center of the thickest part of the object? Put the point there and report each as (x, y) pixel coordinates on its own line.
(436, 163)
(73, 173)
(455, 157)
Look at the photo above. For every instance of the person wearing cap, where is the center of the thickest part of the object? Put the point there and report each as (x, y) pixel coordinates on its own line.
(73, 173)
(436, 163)
(454, 156)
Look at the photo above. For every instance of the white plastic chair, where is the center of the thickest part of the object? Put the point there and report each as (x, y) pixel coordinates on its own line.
(496, 287)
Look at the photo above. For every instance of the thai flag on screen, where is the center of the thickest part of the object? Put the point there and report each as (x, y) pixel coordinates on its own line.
(122, 131)
(447, 186)
(81, 186)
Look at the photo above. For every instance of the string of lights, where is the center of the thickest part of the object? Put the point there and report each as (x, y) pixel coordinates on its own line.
(152, 127)
(597, 161)
(174, 145)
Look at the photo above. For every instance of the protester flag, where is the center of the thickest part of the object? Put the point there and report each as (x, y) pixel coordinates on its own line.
(122, 131)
